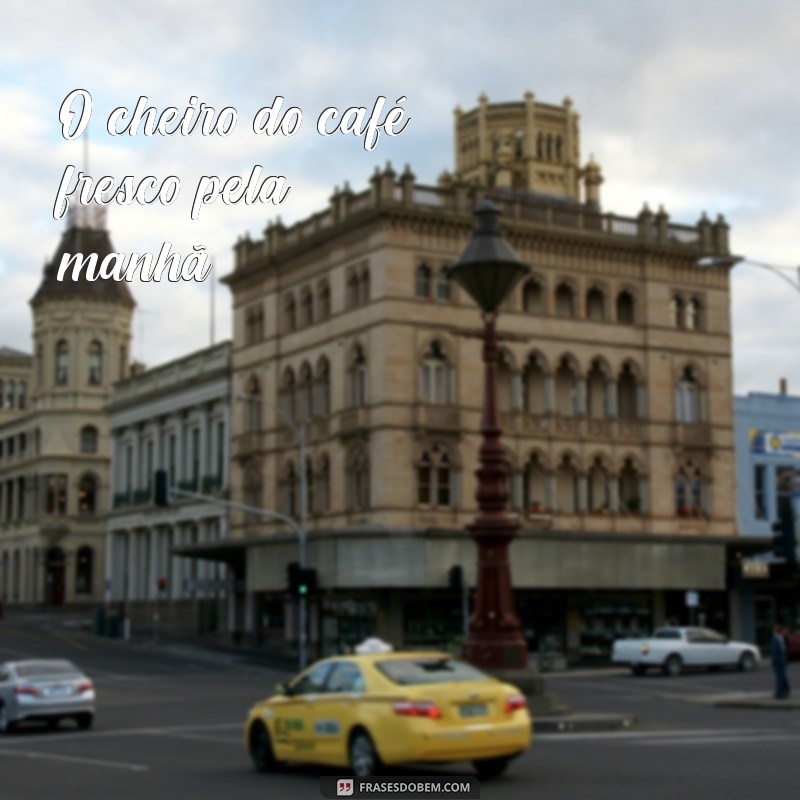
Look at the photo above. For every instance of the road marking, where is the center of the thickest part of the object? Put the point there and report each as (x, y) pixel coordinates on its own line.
(757, 739)
(694, 734)
(62, 737)
(93, 762)
(67, 639)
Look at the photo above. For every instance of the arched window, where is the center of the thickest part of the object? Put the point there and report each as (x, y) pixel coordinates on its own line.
(442, 285)
(123, 361)
(688, 398)
(289, 314)
(566, 380)
(676, 312)
(534, 386)
(252, 489)
(22, 395)
(357, 379)
(630, 488)
(506, 383)
(558, 148)
(307, 307)
(435, 376)
(288, 398)
(324, 485)
(324, 300)
(95, 377)
(533, 297)
(567, 486)
(689, 491)
(627, 394)
(596, 390)
(435, 478)
(252, 406)
(535, 485)
(88, 439)
(305, 392)
(84, 570)
(87, 495)
(540, 146)
(598, 486)
(2, 395)
(364, 293)
(62, 363)
(549, 146)
(310, 488)
(290, 497)
(322, 401)
(595, 305)
(11, 394)
(423, 281)
(353, 289)
(565, 301)
(626, 308)
(693, 310)
(357, 479)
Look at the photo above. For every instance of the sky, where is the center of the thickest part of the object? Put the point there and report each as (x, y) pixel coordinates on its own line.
(693, 105)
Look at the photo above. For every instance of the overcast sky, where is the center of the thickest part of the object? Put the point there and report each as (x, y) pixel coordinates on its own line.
(694, 105)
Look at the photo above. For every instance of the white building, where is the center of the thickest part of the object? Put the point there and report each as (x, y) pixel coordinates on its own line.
(174, 417)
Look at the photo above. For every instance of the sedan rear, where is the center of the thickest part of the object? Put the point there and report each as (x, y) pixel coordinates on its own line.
(46, 690)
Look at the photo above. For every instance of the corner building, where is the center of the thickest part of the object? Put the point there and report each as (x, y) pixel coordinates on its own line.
(55, 451)
(615, 387)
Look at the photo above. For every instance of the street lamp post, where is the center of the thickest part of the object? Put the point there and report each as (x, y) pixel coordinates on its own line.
(488, 270)
(732, 261)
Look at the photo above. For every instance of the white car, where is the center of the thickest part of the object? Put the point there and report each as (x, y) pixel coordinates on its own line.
(673, 649)
(49, 690)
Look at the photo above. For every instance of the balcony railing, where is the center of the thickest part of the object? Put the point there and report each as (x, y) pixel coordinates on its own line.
(697, 434)
(438, 418)
(353, 420)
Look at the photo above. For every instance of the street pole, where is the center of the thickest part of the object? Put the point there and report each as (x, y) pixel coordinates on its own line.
(301, 534)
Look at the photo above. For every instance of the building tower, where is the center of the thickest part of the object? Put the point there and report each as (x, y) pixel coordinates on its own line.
(56, 487)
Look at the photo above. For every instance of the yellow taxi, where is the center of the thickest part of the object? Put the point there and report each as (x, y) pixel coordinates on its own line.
(378, 708)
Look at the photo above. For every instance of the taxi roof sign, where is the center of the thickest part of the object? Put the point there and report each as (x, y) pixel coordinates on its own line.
(373, 645)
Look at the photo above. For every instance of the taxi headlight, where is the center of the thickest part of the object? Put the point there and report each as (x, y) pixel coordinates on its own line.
(644, 649)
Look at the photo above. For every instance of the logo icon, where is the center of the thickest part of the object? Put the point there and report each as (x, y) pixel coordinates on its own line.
(344, 787)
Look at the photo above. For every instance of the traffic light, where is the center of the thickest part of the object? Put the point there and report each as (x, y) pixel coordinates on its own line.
(456, 577)
(300, 581)
(161, 488)
(308, 581)
(293, 577)
(784, 542)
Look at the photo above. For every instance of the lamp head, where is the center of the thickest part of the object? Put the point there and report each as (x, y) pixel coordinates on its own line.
(488, 269)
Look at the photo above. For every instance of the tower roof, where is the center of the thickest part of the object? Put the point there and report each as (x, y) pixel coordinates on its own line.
(86, 234)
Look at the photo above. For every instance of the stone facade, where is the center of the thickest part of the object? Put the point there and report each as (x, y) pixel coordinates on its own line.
(56, 446)
(173, 417)
(616, 383)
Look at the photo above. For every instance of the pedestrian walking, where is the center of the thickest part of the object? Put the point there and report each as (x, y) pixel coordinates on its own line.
(779, 662)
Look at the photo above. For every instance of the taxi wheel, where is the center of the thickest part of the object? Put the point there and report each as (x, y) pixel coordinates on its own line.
(261, 749)
(673, 666)
(490, 767)
(364, 760)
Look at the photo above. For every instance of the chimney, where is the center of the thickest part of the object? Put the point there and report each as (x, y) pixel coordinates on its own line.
(783, 387)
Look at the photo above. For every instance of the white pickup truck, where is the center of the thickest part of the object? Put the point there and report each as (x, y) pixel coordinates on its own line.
(673, 649)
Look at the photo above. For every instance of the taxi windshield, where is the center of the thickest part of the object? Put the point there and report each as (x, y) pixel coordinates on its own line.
(417, 671)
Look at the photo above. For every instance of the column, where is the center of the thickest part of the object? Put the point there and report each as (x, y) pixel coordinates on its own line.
(641, 401)
(175, 588)
(550, 499)
(611, 399)
(613, 494)
(109, 566)
(152, 588)
(583, 493)
(516, 391)
(549, 393)
(580, 396)
(644, 495)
